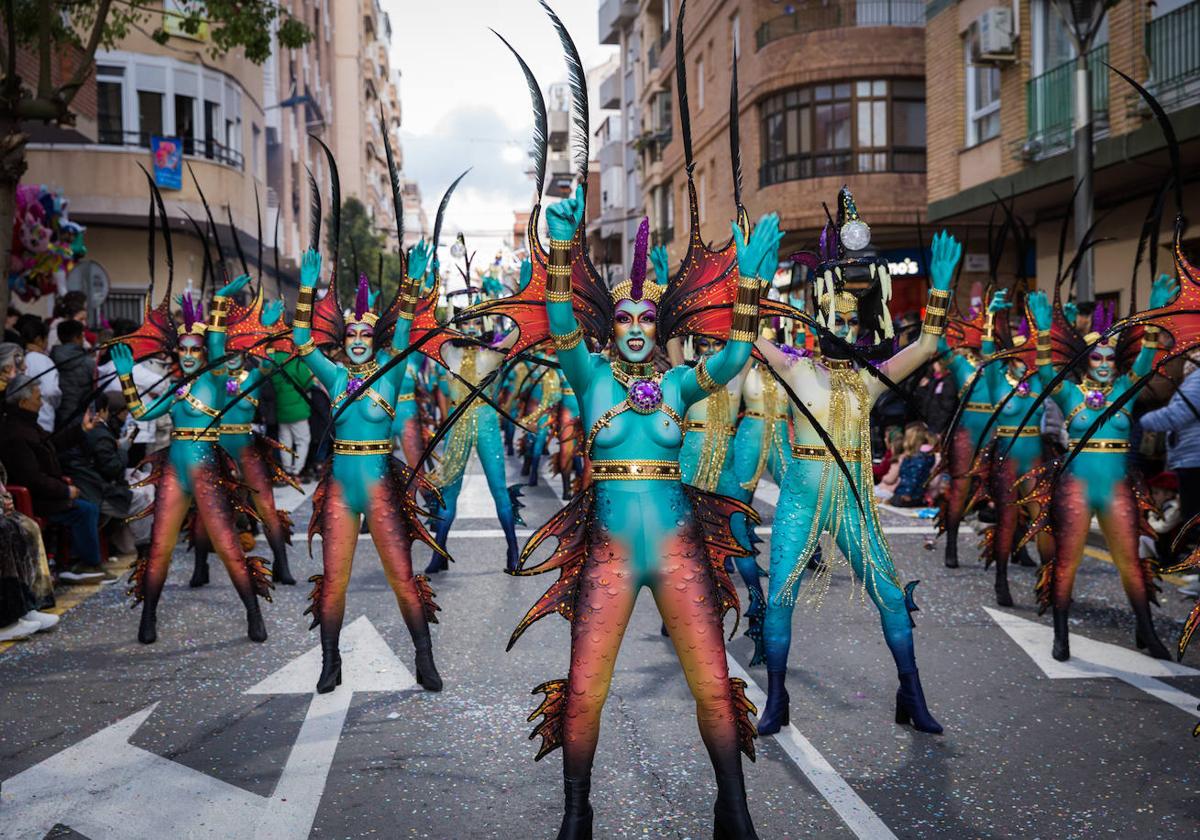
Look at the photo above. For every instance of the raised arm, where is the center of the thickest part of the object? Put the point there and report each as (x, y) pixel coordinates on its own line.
(322, 368)
(418, 259)
(122, 359)
(215, 334)
(1043, 318)
(946, 251)
(1163, 291)
(754, 257)
(562, 220)
(993, 374)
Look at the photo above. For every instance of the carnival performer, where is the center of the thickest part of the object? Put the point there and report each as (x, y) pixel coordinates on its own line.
(570, 462)
(477, 429)
(364, 479)
(1098, 480)
(817, 498)
(638, 524)
(194, 467)
(546, 396)
(1016, 450)
(255, 454)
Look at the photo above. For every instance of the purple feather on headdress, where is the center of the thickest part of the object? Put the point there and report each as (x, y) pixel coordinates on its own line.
(827, 245)
(1023, 327)
(1103, 317)
(362, 298)
(637, 273)
(191, 312)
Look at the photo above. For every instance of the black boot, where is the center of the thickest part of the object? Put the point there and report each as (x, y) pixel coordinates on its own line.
(731, 816)
(331, 666)
(911, 708)
(577, 810)
(512, 560)
(1145, 637)
(200, 570)
(535, 468)
(776, 713)
(1022, 558)
(1062, 645)
(566, 479)
(427, 674)
(148, 628)
(951, 552)
(280, 572)
(438, 562)
(525, 465)
(256, 629)
(1003, 596)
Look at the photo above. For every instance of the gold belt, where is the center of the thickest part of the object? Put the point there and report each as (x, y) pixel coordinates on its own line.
(362, 447)
(758, 415)
(237, 429)
(405, 397)
(1105, 446)
(1011, 431)
(702, 426)
(820, 453)
(195, 435)
(635, 470)
(978, 406)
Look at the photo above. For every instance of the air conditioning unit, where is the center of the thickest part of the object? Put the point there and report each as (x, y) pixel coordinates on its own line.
(995, 41)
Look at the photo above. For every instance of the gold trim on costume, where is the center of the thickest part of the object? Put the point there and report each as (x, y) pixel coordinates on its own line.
(979, 406)
(702, 426)
(1109, 445)
(237, 429)
(808, 452)
(1011, 431)
(704, 379)
(362, 447)
(569, 341)
(635, 470)
(195, 435)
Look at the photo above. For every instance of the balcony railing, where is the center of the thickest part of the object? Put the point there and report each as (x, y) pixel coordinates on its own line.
(813, 15)
(1050, 104)
(207, 149)
(1173, 45)
(841, 162)
(658, 49)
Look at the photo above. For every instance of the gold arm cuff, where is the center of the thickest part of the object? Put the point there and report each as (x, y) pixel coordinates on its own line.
(937, 331)
(558, 270)
(746, 309)
(218, 328)
(747, 336)
(939, 295)
(303, 307)
(704, 379)
(307, 347)
(559, 297)
(569, 341)
(635, 470)
(561, 244)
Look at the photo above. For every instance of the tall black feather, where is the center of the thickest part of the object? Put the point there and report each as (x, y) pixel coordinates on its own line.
(314, 219)
(208, 264)
(150, 243)
(735, 135)
(397, 195)
(258, 220)
(275, 256)
(168, 250)
(237, 241)
(539, 151)
(441, 213)
(213, 232)
(577, 79)
(685, 117)
(335, 217)
(1168, 130)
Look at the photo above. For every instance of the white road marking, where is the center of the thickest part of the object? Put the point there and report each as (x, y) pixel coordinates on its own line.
(104, 787)
(855, 813)
(1098, 660)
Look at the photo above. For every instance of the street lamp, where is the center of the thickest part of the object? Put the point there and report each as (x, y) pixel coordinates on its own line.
(1083, 19)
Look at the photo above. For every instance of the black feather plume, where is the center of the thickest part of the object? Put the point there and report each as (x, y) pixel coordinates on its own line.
(314, 219)
(275, 256)
(208, 266)
(258, 220)
(441, 213)
(168, 250)
(213, 232)
(577, 79)
(150, 243)
(397, 195)
(685, 117)
(540, 120)
(335, 216)
(735, 135)
(1168, 130)
(237, 241)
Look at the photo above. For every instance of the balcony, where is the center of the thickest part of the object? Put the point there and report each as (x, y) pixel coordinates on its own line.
(658, 50)
(1050, 105)
(813, 16)
(612, 156)
(610, 90)
(1173, 46)
(559, 123)
(192, 148)
(614, 15)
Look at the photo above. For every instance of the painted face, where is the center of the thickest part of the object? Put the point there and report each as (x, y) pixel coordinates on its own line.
(845, 325)
(357, 342)
(1102, 364)
(191, 353)
(709, 346)
(473, 328)
(235, 362)
(636, 330)
(1017, 368)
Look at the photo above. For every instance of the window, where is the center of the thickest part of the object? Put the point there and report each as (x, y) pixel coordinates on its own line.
(699, 84)
(150, 116)
(110, 107)
(868, 125)
(185, 122)
(983, 97)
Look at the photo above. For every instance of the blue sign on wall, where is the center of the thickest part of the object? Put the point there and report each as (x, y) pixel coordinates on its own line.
(167, 154)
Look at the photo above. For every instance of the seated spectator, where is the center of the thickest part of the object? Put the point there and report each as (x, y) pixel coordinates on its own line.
(33, 332)
(887, 471)
(30, 455)
(20, 580)
(35, 571)
(915, 466)
(76, 373)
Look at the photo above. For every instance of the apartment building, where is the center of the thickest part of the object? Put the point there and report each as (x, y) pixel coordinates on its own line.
(1001, 123)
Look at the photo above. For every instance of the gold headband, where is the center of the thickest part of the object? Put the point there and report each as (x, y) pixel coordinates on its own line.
(843, 302)
(197, 328)
(368, 318)
(651, 291)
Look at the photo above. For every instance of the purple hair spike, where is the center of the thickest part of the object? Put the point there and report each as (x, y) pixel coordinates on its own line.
(1023, 327)
(637, 273)
(190, 313)
(362, 298)
(1103, 317)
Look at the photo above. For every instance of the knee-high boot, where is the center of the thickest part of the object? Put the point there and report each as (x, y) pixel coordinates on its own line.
(577, 808)
(731, 814)
(776, 713)
(1062, 644)
(331, 662)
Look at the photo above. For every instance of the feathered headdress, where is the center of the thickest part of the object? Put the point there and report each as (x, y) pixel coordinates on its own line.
(363, 300)
(637, 288)
(193, 316)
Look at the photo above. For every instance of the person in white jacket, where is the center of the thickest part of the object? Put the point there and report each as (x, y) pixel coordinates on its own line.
(34, 334)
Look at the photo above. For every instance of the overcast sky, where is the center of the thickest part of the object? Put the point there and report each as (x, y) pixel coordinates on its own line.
(465, 102)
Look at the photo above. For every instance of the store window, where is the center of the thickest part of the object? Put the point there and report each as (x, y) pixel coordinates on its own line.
(842, 128)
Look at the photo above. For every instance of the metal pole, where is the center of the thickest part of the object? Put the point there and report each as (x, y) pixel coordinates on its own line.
(1085, 287)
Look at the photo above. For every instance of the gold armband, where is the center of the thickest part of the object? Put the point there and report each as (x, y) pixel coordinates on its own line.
(989, 326)
(558, 286)
(306, 348)
(569, 341)
(408, 299)
(1150, 338)
(707, 384)
(560, 244)
(216, 316)
(132, 399)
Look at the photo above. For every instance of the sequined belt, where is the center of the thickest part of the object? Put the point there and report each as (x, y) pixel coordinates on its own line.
(195, 435)
(758, 415)
(1105, 446)
(820, 453)
(237, 429)
(362, 447)
(635, 470)
(978, 406)
(702, 426)
(1012, 431)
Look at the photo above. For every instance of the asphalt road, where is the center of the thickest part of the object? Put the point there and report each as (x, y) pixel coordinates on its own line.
(101, 737)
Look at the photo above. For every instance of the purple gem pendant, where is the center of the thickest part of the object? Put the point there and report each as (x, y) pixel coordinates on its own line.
(645, 396)
(1096, 399)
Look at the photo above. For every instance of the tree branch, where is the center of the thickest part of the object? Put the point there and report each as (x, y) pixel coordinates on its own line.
(67, 92)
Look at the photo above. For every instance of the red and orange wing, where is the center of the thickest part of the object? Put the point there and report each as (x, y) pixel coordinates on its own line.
(425, 322)
(155, 335)
(247, 333)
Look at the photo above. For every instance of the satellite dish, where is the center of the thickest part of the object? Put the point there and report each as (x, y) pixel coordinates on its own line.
(89, 277)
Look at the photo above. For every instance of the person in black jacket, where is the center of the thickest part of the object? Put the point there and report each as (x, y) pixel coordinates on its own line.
(30, 455)
(76, 373)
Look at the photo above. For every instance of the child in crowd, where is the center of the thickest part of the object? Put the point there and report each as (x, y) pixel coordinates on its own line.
(915, 466)
(887, 470)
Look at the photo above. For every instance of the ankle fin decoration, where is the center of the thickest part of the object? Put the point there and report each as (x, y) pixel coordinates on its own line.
(742, 710)
(425, 591)
(314, 600)
(259, 569)
(514, 496)
(910, 603)
(137, 581)
(552, 709)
